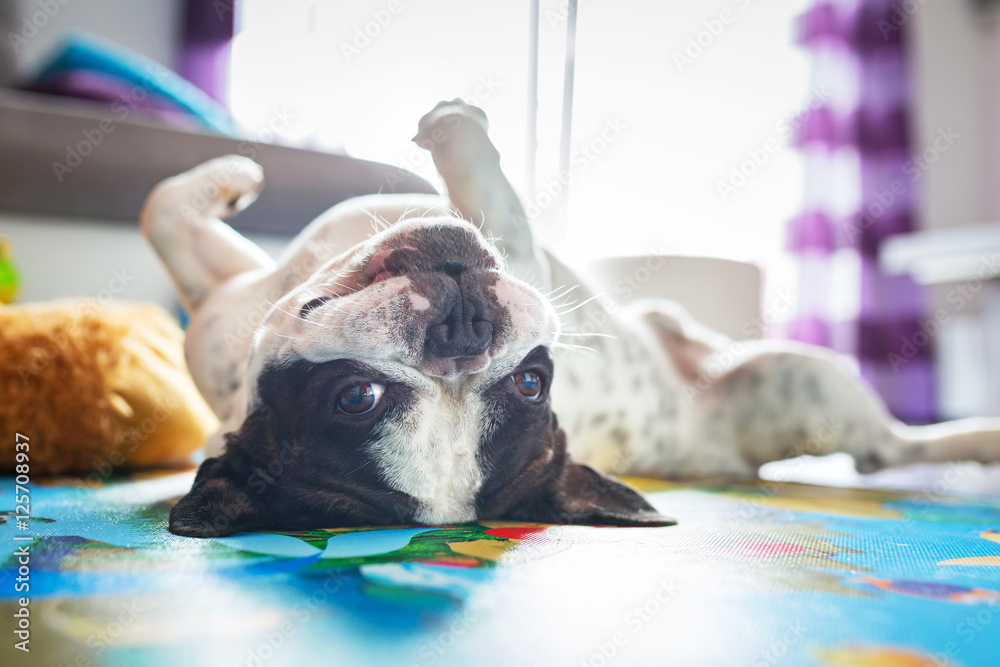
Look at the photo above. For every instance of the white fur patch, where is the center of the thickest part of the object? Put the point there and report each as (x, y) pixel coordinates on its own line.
(419, 303)
(432, 455)
(530, 315)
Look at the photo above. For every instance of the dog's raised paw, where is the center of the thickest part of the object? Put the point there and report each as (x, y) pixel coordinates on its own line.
(225, 185)
(447, 117)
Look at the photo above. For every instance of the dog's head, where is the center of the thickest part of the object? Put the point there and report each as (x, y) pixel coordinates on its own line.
(404, 381)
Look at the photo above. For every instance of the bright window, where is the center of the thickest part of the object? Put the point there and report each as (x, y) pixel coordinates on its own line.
(654, 136)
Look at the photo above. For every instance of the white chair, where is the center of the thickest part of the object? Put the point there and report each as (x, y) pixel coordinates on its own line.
(719, 293)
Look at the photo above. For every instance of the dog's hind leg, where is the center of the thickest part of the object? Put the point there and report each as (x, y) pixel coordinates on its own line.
(456, 135)
(781, 403)
(181, 219)
(972, 439)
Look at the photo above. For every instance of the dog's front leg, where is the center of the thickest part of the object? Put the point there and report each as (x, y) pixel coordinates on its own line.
(181, 219)
(456, 135)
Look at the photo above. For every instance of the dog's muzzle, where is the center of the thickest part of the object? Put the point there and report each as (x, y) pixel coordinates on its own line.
(453, 270)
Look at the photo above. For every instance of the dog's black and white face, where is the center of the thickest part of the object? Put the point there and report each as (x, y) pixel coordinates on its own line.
(405, 381)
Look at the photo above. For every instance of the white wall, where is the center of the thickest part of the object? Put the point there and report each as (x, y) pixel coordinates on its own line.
(991, 88)
(71, 258)
(949, 77)
(956, 78)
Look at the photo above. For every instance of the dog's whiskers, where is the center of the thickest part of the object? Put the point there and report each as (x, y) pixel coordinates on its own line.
(359, 467)
(349, 289)
(602, 335)
(561, 291)
(580, 305)
(379, 224)
(406, 211)
(576, 348)
(292, 315)
(437, 211)
(564, 301)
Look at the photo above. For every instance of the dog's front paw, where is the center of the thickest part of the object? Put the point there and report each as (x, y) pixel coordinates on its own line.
(448, 118)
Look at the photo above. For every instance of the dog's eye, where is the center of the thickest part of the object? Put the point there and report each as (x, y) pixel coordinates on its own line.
(529, 383)
(313, 305)
(360, 398)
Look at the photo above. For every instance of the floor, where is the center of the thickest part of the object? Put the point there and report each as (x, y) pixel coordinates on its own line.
(766, 573)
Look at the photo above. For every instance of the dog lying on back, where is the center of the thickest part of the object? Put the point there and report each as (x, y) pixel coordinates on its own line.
(403, 362)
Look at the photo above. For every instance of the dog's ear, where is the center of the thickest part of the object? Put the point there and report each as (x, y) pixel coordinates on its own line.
(585, 496)
(554, 489)
(217, 505)
(230, 493)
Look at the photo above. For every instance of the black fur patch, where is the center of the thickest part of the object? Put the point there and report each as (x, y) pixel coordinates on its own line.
(529, 475)
(297, 461)
(521, 427)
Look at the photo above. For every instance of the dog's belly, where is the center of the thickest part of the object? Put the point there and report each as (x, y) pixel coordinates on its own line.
(621, 415)
(621, 403)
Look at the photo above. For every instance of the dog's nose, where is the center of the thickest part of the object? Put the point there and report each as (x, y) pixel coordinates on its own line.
(465, 331)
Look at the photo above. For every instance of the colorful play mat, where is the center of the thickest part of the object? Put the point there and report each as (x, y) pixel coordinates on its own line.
(759, 575)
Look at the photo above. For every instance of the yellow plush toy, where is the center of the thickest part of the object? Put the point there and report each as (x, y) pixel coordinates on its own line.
(96, 387)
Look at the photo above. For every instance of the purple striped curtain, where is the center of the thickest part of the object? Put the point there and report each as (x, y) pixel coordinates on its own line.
(861, 187)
